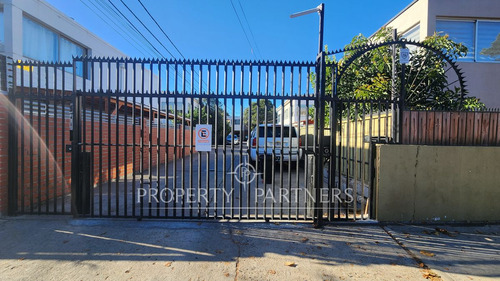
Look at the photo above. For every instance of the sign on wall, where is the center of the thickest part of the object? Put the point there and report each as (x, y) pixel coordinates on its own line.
(203, 137)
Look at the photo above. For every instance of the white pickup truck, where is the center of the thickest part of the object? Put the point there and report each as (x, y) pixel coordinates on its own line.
(282, 139)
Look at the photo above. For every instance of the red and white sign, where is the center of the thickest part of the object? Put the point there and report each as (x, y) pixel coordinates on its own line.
(203, 137)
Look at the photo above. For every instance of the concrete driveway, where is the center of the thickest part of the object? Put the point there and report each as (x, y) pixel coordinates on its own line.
(62, 248)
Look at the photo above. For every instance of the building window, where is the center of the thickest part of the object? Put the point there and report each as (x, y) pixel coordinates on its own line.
(43, 44)
(2, 27)
(39, 43)
(460, 32)
(413, 34)
(488, 41)
(482, 38)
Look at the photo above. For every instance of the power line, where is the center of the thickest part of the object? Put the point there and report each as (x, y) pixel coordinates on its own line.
(246, 36)
(127, 26)
(111, 25)
(135, 28)
(152, 34)
(173, 44)
(161, 29)
(250, 29)
(131, 26)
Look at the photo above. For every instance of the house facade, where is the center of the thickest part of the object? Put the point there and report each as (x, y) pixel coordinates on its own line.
(293, 112)
(473, 23)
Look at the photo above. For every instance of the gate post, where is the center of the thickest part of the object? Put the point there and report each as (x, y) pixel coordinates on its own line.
(75, 136)
(12, 154)
(320, 118)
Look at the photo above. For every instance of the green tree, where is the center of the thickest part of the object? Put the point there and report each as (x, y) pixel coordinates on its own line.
(214, 108)
(370, 75)
(263, 107)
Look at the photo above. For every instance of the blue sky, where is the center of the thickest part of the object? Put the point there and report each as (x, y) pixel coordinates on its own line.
(204, 29)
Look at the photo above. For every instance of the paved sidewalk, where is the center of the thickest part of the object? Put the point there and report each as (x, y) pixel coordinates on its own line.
(62, 248)
(454, 252)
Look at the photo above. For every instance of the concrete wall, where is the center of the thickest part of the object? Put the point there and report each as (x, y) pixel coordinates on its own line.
(480, 76)
(437, 183)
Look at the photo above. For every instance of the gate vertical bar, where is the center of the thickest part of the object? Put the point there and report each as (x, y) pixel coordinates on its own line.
(320, 109)
(13, 149)
(393, 87)
(75, 147)
(402, 98)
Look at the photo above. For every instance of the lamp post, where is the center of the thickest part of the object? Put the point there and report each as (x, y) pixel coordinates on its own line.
(321, 11)
(319, 123)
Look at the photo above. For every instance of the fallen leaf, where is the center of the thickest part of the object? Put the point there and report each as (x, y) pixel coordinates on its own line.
(376, 242)
(304, 240)
(290, 264)
(302, 253)
(168, 264)
(431, 275)
(239, 232)
(271, 271)
(393, 263)
(425, 253)
(21, 259)
(421, 265)
(348, 243)
(226, 274)
(446, 232)
(127, 271)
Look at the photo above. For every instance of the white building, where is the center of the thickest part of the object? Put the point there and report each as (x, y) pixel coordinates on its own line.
(474, 23)
(33, 29)
(236, 126)
(293, 113)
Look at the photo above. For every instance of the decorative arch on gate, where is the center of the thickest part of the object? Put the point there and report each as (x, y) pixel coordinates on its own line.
(455, 78)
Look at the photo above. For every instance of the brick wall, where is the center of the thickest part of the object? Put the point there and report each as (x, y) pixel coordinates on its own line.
(45, 167)
(3, 159)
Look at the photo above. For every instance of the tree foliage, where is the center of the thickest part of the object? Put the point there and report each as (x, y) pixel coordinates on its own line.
(214, 109)
(263, 107)
(427, 75)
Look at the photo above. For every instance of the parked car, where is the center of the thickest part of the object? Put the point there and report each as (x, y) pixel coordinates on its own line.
(283, 139)
(232, 139)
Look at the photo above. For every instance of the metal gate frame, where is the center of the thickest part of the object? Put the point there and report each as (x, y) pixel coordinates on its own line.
(319, 148)
(328, 155)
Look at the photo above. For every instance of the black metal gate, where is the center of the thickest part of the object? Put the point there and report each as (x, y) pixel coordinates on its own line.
(117, 138)
(139, 123)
